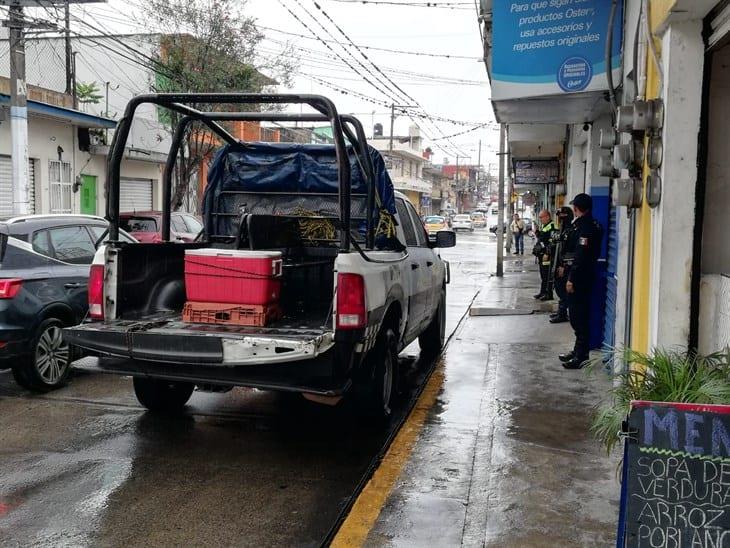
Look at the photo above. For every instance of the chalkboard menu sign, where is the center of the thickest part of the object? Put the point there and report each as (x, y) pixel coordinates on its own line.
(677, 476)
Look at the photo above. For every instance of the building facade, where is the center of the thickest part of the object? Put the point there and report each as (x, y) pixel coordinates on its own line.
(67, 169)
(120, 67)
(404, 160)
(644, 138)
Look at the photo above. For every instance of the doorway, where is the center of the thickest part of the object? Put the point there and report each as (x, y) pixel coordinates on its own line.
(88, 194)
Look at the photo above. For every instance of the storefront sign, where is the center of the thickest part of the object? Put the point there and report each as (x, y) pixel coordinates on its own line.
(550, 47)
(676, 479)
(536, 172)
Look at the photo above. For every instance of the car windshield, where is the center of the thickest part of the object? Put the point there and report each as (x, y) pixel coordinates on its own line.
(477, 215)
(462, 218)
(434, 220)
(139, 224)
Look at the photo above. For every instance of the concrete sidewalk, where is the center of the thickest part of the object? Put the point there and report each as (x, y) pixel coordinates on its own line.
(503, 456)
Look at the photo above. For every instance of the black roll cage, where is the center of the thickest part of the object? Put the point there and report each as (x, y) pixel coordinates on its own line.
(343, 126)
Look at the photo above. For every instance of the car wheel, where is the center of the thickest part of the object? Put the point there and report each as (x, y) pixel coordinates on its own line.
(433, 338)
(162, 396)
(48, 367)
(376, 392)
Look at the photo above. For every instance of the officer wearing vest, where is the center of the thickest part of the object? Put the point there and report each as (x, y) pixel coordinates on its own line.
(565, 218)
(544, 251)
(583, 247)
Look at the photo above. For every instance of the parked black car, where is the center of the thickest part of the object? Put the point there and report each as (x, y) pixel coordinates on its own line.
(44, 270)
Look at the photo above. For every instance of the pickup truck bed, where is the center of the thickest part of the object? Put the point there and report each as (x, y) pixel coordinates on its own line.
(164, 337)
(290, 355)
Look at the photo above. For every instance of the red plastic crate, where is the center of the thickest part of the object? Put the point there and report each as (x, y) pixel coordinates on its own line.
(233, 276)
(231, 314)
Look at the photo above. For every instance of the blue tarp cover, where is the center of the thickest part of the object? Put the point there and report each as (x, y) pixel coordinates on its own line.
(289, 167)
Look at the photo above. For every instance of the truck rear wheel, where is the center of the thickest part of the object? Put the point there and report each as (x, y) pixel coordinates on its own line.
(433, 338)
(376, 392)
(162, 396)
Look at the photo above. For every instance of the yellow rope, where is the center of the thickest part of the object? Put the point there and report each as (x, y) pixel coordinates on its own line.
(315, 229)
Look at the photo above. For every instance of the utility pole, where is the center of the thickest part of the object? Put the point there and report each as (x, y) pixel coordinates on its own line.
(479, 170)
(392, 121)
(500, 198)
(73, 81)
(67, 40)
(456, 185)
(18, 111)
(19, 91)
(459, 199)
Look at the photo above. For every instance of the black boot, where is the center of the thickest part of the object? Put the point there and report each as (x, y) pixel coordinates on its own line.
(538, 296)
(546, 297)
(575, 363)
(559, 318)
(568, 356)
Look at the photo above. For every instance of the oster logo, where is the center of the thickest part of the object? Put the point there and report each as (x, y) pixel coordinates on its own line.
(575, 74)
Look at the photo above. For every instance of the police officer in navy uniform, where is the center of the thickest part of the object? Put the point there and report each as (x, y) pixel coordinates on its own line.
(544, 251)
(565, 217)
(583, 247)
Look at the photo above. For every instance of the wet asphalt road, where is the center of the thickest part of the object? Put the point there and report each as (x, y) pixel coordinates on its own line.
(87, 466)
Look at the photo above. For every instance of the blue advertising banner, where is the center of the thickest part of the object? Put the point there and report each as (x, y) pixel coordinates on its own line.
(551, 47)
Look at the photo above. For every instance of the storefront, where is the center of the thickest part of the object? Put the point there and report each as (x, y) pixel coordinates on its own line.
(713, 193)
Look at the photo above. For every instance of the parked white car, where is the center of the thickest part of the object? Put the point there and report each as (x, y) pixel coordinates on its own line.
(462, 222)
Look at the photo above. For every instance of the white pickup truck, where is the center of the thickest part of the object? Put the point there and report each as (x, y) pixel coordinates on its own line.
(350, 305)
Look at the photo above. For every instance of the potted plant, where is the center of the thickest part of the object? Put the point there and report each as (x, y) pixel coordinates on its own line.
(665, 376)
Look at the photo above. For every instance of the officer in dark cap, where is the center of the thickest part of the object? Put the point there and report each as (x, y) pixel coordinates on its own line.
(583, 247)
(565, 218)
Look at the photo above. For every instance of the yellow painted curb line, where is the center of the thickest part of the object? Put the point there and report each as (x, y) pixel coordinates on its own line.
(367, 507)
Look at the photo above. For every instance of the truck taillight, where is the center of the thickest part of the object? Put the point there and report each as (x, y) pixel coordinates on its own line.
(351, 309)
(96, 292)
(9, 287)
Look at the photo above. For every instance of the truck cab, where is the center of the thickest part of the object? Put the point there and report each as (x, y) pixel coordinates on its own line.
(360, 279)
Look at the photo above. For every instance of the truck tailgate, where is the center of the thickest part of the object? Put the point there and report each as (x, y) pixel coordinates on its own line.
(167, 339)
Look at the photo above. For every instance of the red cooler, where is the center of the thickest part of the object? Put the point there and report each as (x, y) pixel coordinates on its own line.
(233, 276)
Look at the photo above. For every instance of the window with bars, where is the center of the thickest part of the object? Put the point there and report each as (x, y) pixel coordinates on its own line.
(61, 191)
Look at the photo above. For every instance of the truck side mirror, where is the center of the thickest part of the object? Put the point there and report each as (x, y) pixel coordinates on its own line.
(445, 238)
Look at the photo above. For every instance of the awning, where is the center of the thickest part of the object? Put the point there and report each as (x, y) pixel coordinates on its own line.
(62, 114)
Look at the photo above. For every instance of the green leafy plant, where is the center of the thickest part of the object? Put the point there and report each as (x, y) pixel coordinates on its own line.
(88, 93)
(662, 375)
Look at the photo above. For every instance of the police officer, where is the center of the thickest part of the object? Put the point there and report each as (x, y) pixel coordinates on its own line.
(544, 251)
(583, 248)
(565, 218)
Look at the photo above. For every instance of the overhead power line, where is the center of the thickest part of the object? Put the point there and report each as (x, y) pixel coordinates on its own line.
(442, 5)
(393, 96)
(399, 110)
(373, 48)
(379, 70)
(329, 59)
(475, 128)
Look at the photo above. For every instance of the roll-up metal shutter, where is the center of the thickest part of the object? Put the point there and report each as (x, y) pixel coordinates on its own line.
(609, 325)
(6, 185)
(719, 28)
(135, 195)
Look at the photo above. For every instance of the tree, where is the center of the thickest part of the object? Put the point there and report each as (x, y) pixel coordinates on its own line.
(88, 93)
(208, 46)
